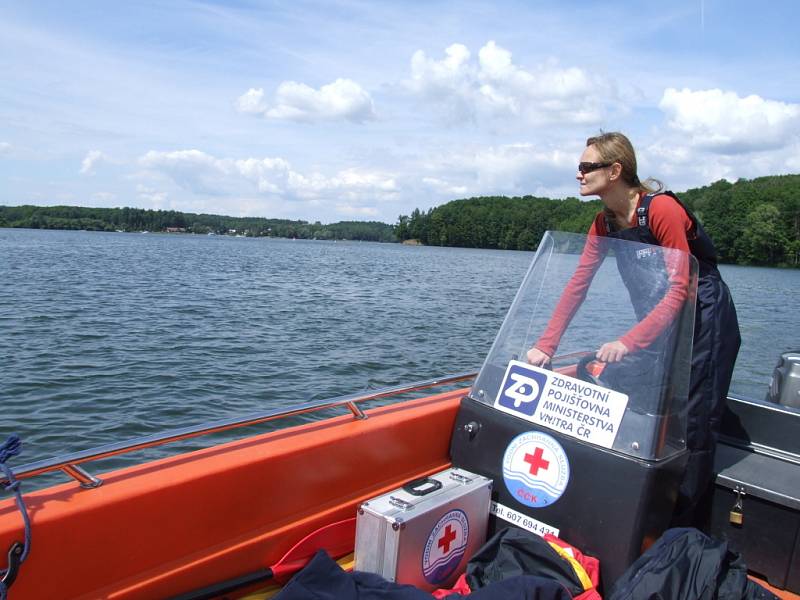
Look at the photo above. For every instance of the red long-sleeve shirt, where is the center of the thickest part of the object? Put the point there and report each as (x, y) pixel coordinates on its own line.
(672, 227)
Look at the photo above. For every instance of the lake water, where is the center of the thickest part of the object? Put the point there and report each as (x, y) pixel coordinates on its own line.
(108, 336)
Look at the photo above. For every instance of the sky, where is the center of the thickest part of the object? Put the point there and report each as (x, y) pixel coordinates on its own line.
(366, 110)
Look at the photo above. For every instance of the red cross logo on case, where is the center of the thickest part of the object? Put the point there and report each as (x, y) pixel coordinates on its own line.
(447, 539)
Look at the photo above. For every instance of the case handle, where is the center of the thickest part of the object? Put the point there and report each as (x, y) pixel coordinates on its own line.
(422, 486)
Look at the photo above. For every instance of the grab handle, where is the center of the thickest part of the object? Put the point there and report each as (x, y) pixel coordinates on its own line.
(422, 486)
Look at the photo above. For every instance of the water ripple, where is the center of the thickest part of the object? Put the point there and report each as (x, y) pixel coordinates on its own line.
(112, 336)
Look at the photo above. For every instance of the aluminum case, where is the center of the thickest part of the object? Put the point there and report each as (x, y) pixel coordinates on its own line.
(424, 533)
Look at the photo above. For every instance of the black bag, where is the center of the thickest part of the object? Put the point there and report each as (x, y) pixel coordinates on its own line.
(513, 552)
(686, 564)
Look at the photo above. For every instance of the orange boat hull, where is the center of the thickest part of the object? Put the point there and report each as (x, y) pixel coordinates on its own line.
(166, 527)
(163, 528)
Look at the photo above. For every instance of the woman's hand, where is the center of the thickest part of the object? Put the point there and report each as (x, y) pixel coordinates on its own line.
(612, 352)
(537, 357)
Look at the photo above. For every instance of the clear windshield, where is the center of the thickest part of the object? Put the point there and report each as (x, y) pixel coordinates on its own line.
(579, 294)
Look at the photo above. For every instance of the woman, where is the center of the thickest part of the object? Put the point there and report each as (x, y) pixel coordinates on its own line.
(640, 212)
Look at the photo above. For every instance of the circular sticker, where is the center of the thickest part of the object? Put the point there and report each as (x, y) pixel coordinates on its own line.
(535, 469)
(445, 547)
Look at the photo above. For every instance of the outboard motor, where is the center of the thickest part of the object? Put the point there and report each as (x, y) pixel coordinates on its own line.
(785, 385)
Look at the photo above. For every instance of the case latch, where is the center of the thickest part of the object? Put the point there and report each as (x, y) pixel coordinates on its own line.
(400, 503)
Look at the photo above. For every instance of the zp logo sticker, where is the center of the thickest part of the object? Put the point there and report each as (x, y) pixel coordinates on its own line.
(521, 390)
(445, 547)
(535, 469)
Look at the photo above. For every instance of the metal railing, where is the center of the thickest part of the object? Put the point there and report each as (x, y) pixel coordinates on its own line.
(69, 463)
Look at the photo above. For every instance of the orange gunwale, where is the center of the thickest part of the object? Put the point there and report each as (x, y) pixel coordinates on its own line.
(161, 528)
(165, 527)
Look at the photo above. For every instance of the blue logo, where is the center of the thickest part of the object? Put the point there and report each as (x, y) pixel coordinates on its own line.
(521, 389)
(446, 546)
(535, 469)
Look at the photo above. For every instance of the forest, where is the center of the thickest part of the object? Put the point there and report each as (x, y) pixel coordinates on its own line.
(138, 219)
(752, 222)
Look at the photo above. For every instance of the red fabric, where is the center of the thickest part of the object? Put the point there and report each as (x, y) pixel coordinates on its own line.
(589, 563)
(672, 227)
(591, 594)
(460, 587)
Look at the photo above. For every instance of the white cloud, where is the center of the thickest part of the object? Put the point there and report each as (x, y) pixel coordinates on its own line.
(514, 169)
(359, 180)
(793, 160)
(344, 99)
(93, 157)
(202, 173)
(269, 174)
(443, 186)
(727, 123)
(357, 211)
(192, 170)
(104, 197)
(252, 102)
(714, 134)
(493, 86)
(681, 166)
(678, 165)
(450, 81)
(5, 148)
(512, 166)
(179, 158)
(152, 197)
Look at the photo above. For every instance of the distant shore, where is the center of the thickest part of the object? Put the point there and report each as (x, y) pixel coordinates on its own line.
(138, 220)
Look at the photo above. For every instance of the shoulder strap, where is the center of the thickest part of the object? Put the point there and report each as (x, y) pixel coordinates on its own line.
(610, 227)
(643, 210)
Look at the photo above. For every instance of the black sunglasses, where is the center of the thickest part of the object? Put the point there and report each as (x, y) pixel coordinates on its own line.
(588, 167)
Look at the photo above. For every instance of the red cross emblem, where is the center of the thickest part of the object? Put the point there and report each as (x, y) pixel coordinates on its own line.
(447, 539)
(536, 461)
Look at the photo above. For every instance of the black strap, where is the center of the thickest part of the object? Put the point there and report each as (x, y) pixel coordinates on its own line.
(643, 211)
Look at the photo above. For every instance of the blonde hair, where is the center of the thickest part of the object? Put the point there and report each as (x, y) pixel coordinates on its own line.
(616, 147)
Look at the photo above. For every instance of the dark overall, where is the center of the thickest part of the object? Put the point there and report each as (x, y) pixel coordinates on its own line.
(714, 350)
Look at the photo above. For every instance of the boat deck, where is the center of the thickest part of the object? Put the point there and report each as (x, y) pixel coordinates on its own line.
(158, 529)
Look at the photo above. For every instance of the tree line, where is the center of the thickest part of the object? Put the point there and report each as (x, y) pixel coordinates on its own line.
(138, 219)
(496, 222)
(755, 222)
